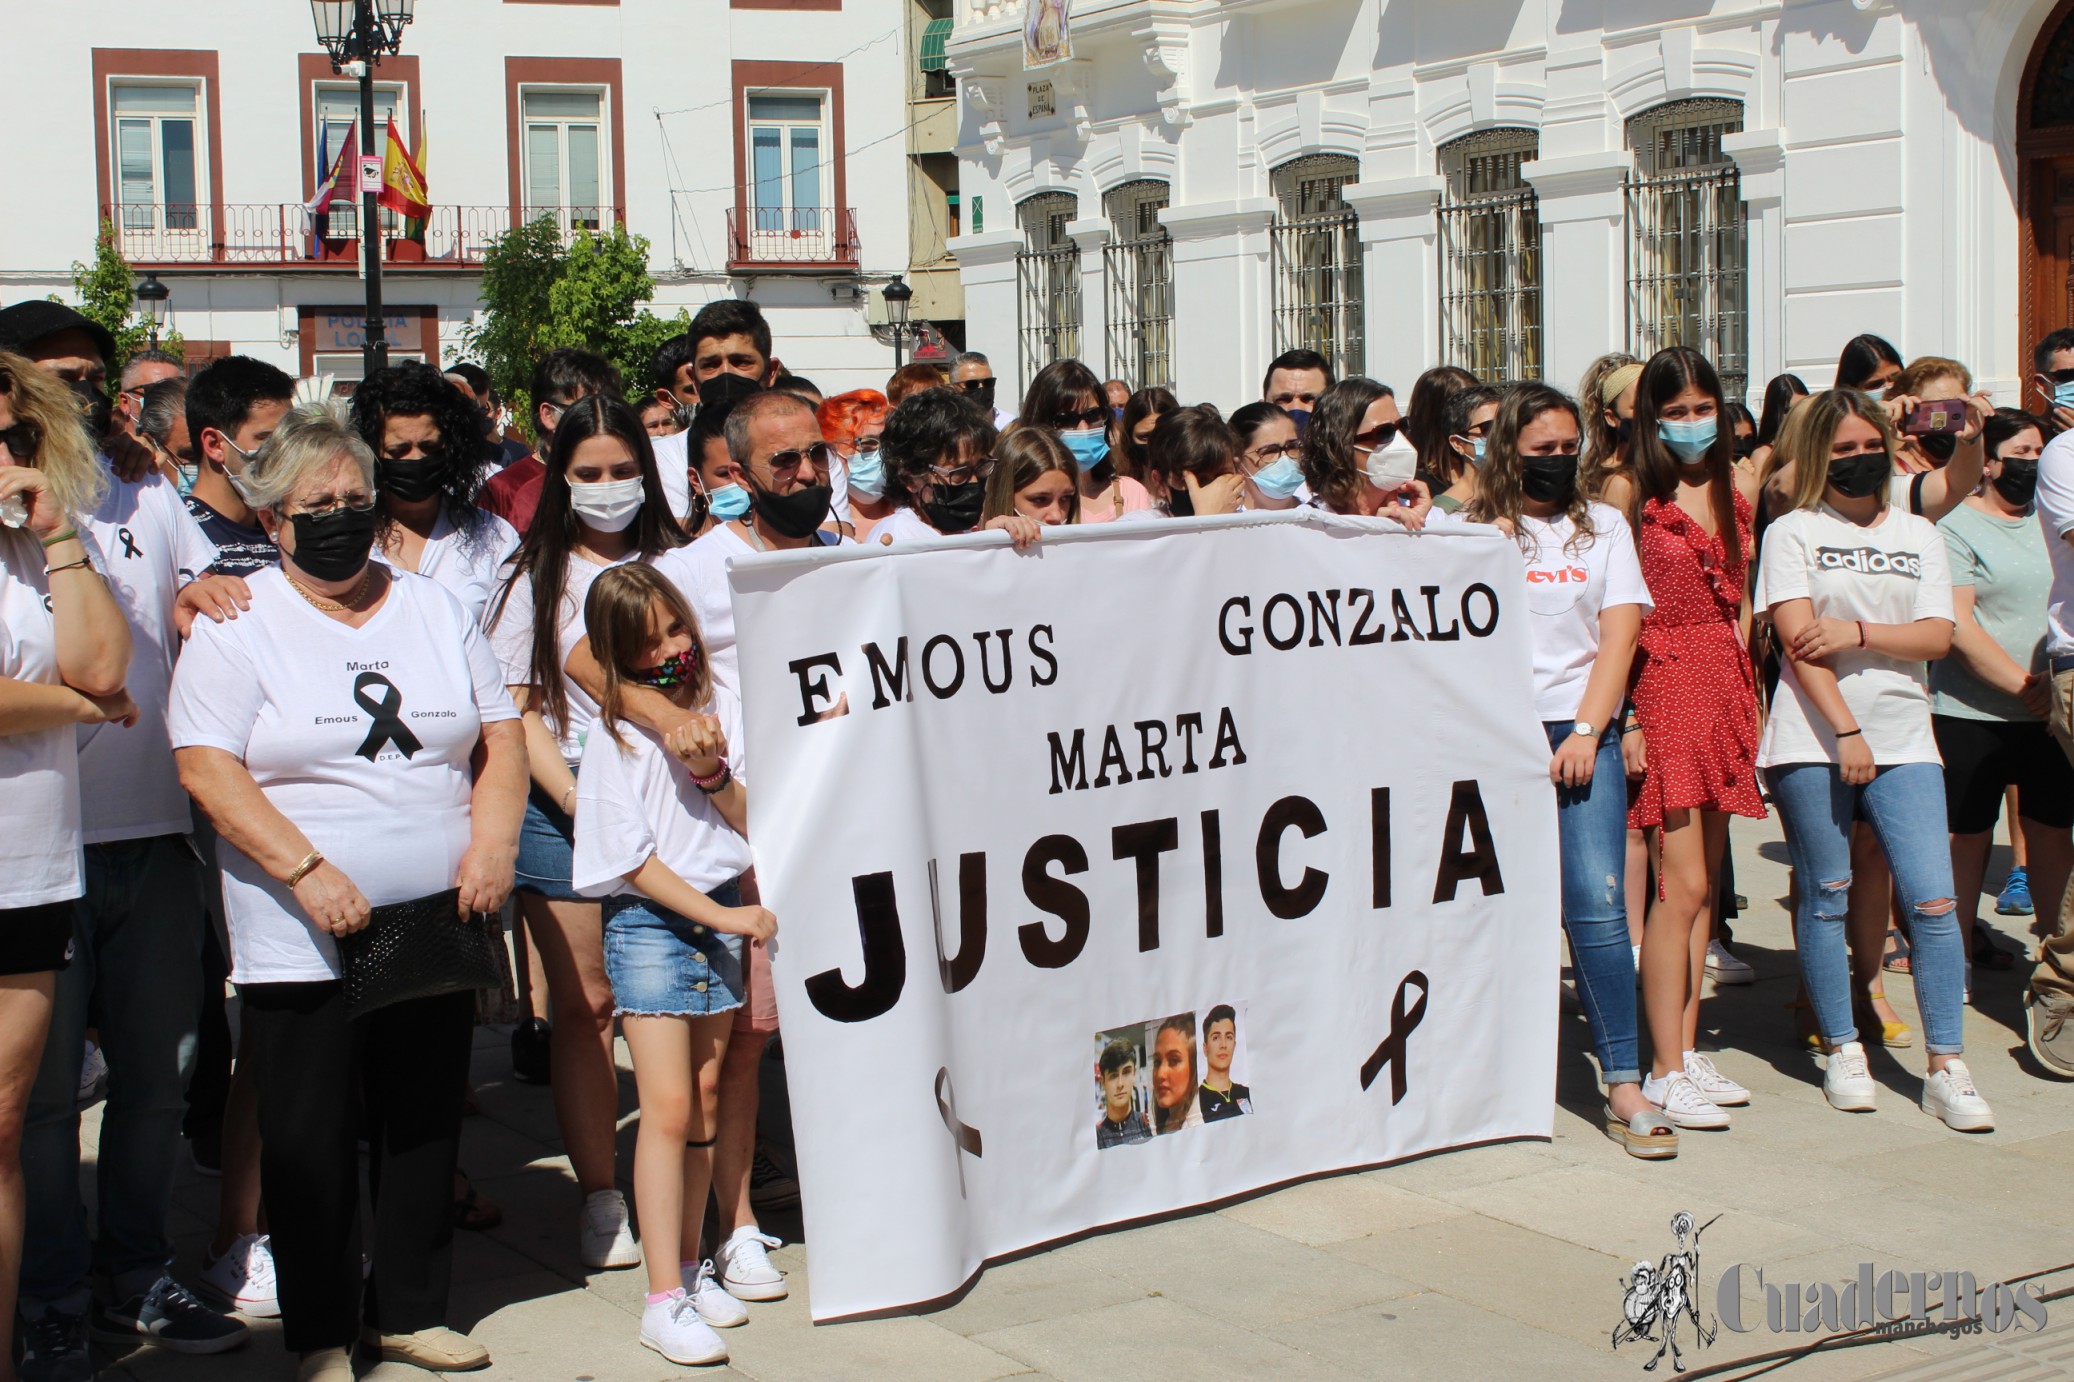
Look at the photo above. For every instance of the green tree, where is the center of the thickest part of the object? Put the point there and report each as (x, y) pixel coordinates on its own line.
(105, 288)
(539, 292)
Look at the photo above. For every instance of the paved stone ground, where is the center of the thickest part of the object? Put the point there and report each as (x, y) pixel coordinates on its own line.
(1502, 1261)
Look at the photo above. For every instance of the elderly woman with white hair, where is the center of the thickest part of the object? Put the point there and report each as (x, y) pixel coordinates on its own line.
(350, 739)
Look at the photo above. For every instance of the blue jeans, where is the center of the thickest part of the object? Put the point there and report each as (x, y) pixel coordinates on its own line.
(1593, 821)
(1905, 806)
(136, 973)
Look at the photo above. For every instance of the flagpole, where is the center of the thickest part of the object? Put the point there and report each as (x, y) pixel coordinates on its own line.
(375, 344)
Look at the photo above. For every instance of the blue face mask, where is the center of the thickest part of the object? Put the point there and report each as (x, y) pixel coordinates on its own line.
(1280, 478)
(1476, 448)
(1089, 447)
(1688, 438)
(2063, 395)
(1301, 417)
(867, 476)
(729, 502)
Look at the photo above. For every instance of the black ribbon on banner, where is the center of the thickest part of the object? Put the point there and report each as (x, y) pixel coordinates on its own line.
(129, 543)
(964, 1134)
(1403, 1022)
(388, 726)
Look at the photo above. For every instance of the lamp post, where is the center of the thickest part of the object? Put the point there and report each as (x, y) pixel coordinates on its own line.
(897, 295)
(356, 33)
(154, 300)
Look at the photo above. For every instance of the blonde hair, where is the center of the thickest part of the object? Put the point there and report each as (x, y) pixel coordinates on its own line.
(309, 438)
(1810, 431)
(65, 452)
(1925, 368)
(1024, 455)
(615, 619)
(1599, 445)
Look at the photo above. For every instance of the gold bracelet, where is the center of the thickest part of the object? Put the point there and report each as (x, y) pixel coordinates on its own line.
(302, 870)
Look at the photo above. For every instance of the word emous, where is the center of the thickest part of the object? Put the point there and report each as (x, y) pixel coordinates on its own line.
(1049, 864)
(942, 665)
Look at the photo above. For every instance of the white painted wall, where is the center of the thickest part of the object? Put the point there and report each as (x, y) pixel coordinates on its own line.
(675, 58)
(1878, 159)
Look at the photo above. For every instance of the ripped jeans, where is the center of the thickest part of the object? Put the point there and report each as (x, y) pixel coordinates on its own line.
(1905, 806)
(1592, 821)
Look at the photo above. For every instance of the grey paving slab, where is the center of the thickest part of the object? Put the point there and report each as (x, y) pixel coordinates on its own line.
(1161, 1340)
(1337, 1208)
(1433, 1335)
(1046, 1285)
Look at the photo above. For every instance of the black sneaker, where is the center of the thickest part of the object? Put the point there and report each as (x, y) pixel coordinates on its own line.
(168, 1317)
(54, 1348)
(770, 1186)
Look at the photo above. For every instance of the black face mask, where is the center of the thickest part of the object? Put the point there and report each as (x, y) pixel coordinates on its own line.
(794, 515)
(1623, 430)
(333, 546)
(94, 405)
(955, 508)
(1746, 447)
(1855, 477)
(982, 397)
(1549, 479)
(2018, 482)
(1939, 446)
(413, 480)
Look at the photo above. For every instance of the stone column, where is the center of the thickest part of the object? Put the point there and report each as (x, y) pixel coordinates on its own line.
(1222, 334)
(1583, 274)
(986, 266)
(1400, 278)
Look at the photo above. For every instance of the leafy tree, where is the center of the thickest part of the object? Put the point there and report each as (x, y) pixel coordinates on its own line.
(539, 292)
(105, 288)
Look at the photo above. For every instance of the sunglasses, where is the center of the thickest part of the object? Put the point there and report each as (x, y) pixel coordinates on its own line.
(821, 453)
(976, 385)
(1086, 417)
(23, 439)
(980, 470)
(1376, 437)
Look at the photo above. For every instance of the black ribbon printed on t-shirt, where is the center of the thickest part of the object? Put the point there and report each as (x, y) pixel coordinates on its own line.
(129, 543)
(388, 726)
(1403, 1022)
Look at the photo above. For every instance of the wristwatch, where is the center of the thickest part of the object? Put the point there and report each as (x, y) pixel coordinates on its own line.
(1585, 728)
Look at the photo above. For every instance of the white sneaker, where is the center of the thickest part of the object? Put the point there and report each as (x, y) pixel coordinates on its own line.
(672, 1327)
(715, 1306)
(1716, 1086)
(1847, 1083)
(243, 1278)
(93, 1076)
(1949, 1094)
(1682, 1103)
(1725, 968)
(607, 1233)
(745, 1266)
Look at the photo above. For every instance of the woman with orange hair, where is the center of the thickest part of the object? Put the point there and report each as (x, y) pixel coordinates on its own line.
(852, 422)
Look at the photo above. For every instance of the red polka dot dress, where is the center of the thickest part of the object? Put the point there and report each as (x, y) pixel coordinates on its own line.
(1693, 691)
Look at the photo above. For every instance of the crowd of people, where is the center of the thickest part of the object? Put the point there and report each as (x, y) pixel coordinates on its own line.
(282, 686)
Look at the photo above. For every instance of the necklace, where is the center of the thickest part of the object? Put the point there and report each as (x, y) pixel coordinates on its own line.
(334, 606)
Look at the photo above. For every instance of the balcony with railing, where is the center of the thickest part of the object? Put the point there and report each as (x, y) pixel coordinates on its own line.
(796, 239)
(284, 234)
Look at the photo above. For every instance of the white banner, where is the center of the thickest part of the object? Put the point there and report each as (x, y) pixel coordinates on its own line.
(1157, 865)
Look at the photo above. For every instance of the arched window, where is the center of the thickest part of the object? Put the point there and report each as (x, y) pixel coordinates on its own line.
(1138, 286)
(1047, 277)
(1490, 255)
(1686, 250)
(1316, 243)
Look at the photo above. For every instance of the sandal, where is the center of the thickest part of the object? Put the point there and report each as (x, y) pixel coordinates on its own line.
(1897, 1036)
(1648, 1135)
(1804, 1026)
(1987, 954)
(472, 1211)
(1896, 958)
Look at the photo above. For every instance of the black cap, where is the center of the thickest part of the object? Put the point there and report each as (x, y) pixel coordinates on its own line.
(26, 323)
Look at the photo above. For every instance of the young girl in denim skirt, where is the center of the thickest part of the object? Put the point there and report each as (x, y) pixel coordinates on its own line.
(659, 834)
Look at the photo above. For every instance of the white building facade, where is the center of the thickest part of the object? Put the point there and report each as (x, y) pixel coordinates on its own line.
(1516, 186)
(761, 146)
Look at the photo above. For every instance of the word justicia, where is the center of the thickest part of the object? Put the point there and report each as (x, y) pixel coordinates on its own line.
(1877, 1298)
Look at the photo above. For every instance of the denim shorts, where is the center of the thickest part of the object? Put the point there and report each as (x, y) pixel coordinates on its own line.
(546, 852)
(662, 965)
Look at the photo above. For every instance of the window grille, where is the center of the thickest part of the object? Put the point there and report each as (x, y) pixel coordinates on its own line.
(1047, 278)
(1138, 287)
(1687, 251)
(1316, 246)
(1490, 256)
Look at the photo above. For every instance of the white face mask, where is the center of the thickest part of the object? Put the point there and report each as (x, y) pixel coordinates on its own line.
(1391, 467)
(607, 505)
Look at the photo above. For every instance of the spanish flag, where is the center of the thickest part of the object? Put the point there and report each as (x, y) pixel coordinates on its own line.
(403, 185)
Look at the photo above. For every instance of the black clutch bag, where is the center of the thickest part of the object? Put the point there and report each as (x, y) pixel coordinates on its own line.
(417, 949)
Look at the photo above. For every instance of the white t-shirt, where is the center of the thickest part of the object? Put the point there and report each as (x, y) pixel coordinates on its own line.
(511, 637)
(1565, 594)
(129, 787)
(638, 800)
(2055, 501)
(361, 737)
(699, 571)
(904, 525)
(673, 460)
(471, 565)
(39, 773)
(1895, 572)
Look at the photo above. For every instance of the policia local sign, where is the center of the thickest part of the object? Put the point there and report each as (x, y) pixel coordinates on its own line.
(1158, 864)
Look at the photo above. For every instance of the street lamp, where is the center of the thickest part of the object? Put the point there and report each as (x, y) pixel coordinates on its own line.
(154, 300)
(897, 295)
(356, 33)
